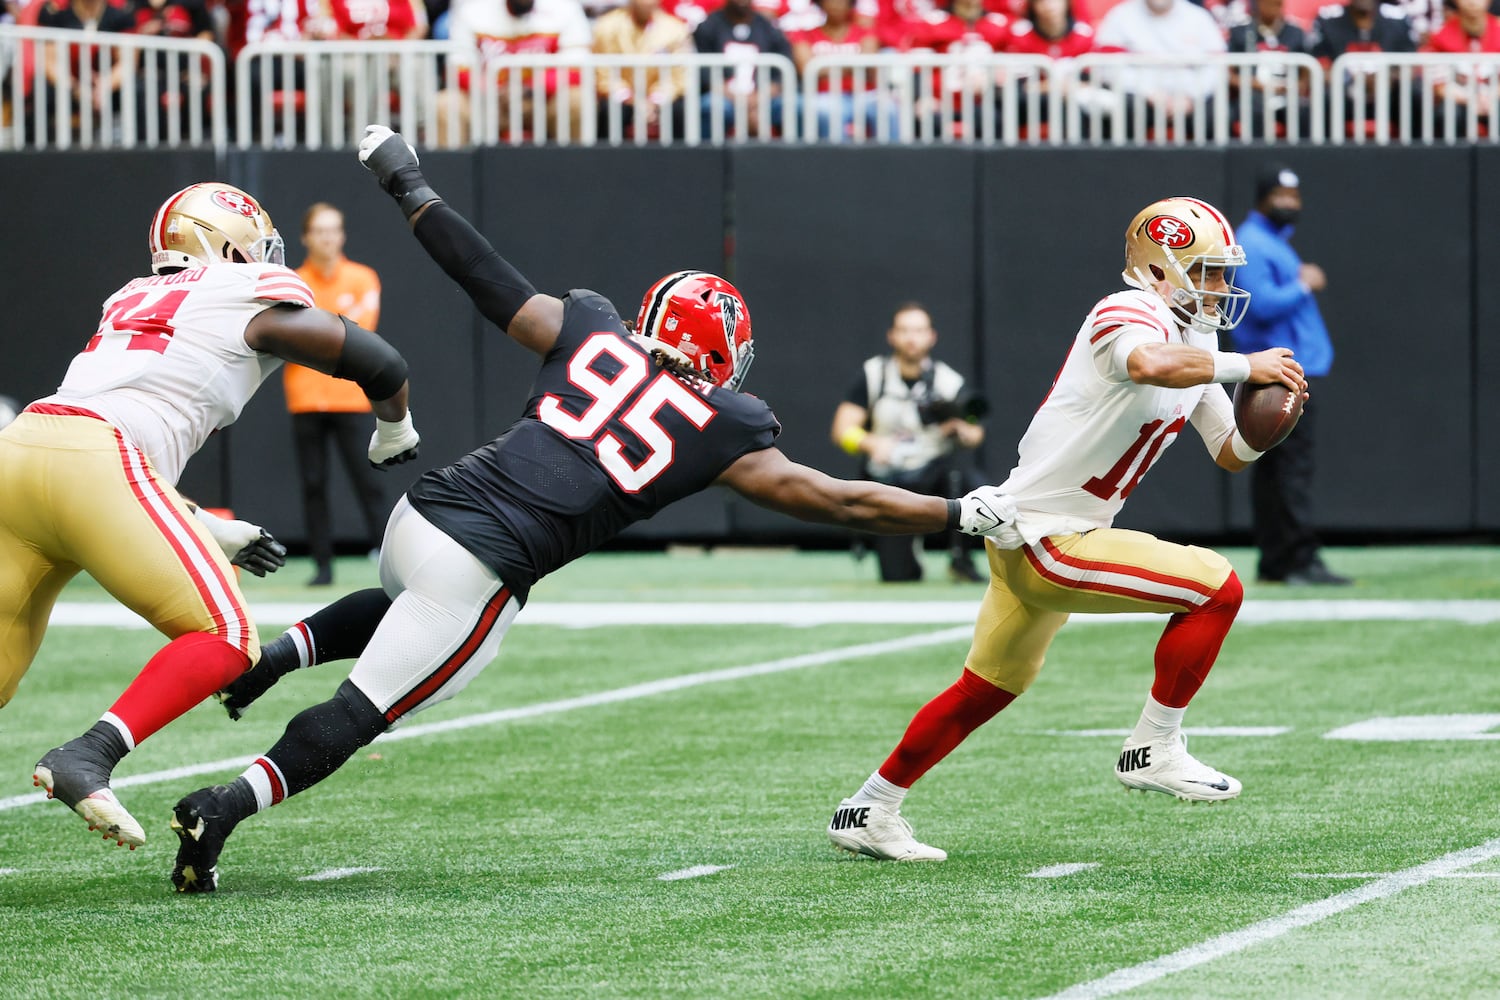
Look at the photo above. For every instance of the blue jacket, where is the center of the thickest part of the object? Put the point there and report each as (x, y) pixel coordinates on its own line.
(1282, 313)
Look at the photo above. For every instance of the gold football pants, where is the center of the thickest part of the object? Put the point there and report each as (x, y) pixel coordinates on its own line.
(75, 495)
(1034, 588)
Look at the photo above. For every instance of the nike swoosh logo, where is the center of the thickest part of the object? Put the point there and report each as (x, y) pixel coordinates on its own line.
(1222, 786)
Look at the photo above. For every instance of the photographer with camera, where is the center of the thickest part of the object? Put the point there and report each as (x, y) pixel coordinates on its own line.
(911, 422)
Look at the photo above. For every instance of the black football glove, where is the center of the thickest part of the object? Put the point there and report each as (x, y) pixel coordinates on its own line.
(262, 556)
(394, 163)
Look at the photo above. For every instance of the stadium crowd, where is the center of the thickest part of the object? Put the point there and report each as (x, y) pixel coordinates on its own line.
(802, 29)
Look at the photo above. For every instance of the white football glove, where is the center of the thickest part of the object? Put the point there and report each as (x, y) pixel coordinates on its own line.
(247, 545)
(393, 443)
(985, 510)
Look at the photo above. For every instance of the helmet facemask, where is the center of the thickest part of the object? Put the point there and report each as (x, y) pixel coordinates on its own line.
(1198, 299)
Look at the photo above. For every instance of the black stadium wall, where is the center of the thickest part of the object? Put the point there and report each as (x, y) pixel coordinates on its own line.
(1007, 248)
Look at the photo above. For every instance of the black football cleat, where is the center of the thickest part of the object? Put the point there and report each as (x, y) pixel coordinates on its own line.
(78, 777)
(202, 826)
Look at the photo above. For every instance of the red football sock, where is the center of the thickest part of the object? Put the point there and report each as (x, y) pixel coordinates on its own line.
(181, 674)
(1190, 644)
(942, 724)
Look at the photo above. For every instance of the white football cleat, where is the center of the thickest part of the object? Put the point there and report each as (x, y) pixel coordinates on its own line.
(878, 831)
(1166, 766)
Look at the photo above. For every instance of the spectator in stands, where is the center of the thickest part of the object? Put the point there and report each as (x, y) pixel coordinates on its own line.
(62, 64)
(498, 27)
(1048, 28)
(1269, 30)
(737, 29)
(964, 29)
(270, 83)
(1360, 26)
(912, 422)
(328, 410)
(1470, 28)
(1177, 28)
(1283, 312)
(840, 34)
(642, 28)
(385, 20)
(173, 19)
(897, 21)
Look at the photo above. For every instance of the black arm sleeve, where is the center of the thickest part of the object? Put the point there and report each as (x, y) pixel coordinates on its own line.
(497, 288)
(370, 362)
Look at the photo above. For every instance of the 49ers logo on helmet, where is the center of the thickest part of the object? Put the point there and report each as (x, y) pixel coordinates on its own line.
(1169, 231)
(233, 201)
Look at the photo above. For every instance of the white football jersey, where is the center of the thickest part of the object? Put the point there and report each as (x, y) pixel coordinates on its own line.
(1097, 433)
(169, 364)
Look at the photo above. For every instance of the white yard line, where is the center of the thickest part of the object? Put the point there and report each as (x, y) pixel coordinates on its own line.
(630, 693)
(1062, 871)
(1274, 927)
(697, 871)
(805, 614)
(1355, 875)
(329, 874)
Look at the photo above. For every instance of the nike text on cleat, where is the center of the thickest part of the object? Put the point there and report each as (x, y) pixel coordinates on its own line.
(878, 831)
(1166, 766)
(201, 833)
(82, 784)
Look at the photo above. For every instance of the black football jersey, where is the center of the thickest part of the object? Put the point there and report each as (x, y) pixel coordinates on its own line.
(607, 438)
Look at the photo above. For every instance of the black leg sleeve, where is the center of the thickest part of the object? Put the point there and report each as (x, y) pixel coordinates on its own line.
(496, 287)
(343, 629)
(319, 739)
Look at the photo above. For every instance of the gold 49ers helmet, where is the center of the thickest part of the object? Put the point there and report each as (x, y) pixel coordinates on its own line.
(1178, 240)
(705, 318)
(212, 223)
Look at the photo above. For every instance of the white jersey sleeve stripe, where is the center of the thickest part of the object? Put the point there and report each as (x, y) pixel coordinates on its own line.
(1114, 578)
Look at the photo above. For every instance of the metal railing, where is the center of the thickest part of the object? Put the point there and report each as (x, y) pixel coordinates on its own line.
(1380, 97)
(1124, 99)
(126, 91)
(316, 94)
(118, 91)
(924, 97)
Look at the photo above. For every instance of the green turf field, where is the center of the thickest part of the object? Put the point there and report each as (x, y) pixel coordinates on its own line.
(523, 855)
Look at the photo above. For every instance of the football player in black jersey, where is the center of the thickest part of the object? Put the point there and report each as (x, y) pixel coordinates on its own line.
(620, 423)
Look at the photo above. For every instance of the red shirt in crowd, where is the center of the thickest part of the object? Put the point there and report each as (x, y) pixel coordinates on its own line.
(1025, 39)
(1452, 37)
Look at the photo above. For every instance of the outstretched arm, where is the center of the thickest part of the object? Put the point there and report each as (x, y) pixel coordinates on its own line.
(500, 292)
(770, 479)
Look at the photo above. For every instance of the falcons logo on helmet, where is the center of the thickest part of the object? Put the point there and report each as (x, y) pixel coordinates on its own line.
(729, 315)
(233, 201)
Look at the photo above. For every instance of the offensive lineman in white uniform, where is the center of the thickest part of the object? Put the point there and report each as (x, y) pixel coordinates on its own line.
(1143, 365)
(87, 474)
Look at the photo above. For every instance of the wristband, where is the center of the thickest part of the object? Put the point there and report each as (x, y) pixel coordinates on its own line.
(1242, 449)
(955, 513)
(850, 439)
(1231, 367)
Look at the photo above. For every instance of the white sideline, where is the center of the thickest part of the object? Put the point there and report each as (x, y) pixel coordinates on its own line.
(633, 691)
(1063, 871)
(805, 614)
(1227, 944)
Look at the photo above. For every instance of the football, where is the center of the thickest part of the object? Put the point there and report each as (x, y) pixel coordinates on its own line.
(1265, 414)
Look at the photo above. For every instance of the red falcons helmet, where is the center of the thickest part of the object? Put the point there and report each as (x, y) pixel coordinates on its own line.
(705, 318)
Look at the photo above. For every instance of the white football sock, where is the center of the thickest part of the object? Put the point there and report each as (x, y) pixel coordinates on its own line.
(877, 789)
(1158, 722)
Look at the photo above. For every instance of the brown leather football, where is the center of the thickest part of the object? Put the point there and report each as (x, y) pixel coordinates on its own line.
(1265, 414)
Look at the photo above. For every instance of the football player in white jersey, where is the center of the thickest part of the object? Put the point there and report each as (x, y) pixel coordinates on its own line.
(87, 475)
(1144, 364)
